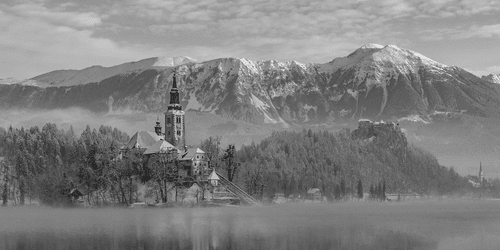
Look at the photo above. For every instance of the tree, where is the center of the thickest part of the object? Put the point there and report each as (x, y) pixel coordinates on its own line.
(383, 190)
(372, 192)
(337, 193)
(231, 166)
(342, 189)
(360, 189)
(163, 169)
(211, 146)
(5, 191)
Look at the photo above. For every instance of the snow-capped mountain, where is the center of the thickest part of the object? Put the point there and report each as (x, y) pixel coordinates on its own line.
(494, 78)
(99, 73)
(372, 82)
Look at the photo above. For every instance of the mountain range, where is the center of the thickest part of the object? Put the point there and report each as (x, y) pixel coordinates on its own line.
(375, 82)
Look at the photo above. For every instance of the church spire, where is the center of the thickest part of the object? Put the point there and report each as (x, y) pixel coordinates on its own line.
(174, 92)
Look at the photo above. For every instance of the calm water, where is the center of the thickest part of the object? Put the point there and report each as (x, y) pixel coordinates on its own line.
(421, 225)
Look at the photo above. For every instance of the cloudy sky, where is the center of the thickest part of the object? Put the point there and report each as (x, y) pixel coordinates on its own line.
(43, 35)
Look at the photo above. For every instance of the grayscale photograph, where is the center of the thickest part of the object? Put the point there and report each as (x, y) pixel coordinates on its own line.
(250, 124)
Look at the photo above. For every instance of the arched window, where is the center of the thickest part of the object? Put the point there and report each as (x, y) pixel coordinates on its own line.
(178, 132)
(168, 120)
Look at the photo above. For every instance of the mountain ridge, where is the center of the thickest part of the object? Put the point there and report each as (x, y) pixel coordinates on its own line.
(374, 81)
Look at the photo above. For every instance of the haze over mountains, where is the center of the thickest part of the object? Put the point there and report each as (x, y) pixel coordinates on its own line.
(376, 82)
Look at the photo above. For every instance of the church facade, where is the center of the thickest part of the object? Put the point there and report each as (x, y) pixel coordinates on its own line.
(192, 161)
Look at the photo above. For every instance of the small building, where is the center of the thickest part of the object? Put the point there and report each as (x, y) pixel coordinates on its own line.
(195, 162)
(214, 179)
(74, 195)
(314, 194)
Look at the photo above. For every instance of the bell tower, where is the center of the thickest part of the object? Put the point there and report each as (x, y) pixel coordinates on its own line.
(174, 118)
(158, 126)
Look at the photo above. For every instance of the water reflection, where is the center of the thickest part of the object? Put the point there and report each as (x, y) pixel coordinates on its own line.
(338, 226)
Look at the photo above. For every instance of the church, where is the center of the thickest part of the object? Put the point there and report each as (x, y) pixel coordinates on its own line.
(193, 161)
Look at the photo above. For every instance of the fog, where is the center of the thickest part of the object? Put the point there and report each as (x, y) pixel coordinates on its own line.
(127, 121)
(200, 126)
(411, 225)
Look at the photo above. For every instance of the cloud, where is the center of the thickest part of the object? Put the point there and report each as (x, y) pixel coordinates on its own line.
(485, 31)
(474, 31)
(58, 16)
(47, 36)
(36, 40)
(453, 8)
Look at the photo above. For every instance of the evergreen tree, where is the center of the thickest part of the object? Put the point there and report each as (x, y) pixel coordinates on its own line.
(360, 189)
(342, 189)
(383, 190)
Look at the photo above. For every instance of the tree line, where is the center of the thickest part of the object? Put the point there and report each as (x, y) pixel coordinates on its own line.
(48, 162)
(293, 162)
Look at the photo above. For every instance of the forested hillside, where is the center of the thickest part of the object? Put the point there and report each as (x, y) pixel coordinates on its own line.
(47, 163)
(293, 162)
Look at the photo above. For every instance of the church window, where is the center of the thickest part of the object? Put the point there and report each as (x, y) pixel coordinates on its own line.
(178, 119)
(168, 132)
(178, 132)
(168, 120)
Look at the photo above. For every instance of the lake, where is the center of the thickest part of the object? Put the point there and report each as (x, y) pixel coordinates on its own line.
(406, 225)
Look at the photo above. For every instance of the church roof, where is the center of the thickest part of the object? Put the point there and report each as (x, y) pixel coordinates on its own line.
(158, 147)
(190, 153)
(143, 139)
(213, 176)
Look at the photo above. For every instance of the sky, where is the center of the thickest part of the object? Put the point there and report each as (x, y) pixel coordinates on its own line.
(39, 36)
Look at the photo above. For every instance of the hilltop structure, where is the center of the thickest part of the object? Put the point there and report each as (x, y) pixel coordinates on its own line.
(385, 134)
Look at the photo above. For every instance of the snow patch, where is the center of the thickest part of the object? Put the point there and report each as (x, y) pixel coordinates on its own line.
(307, 108)
(262, 108)
(372, 46)
(353, 93)
(494, 78)
(194, 104)
(413, 118)
(252, 66)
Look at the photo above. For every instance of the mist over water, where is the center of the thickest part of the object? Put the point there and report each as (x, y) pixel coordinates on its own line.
(418, 225)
